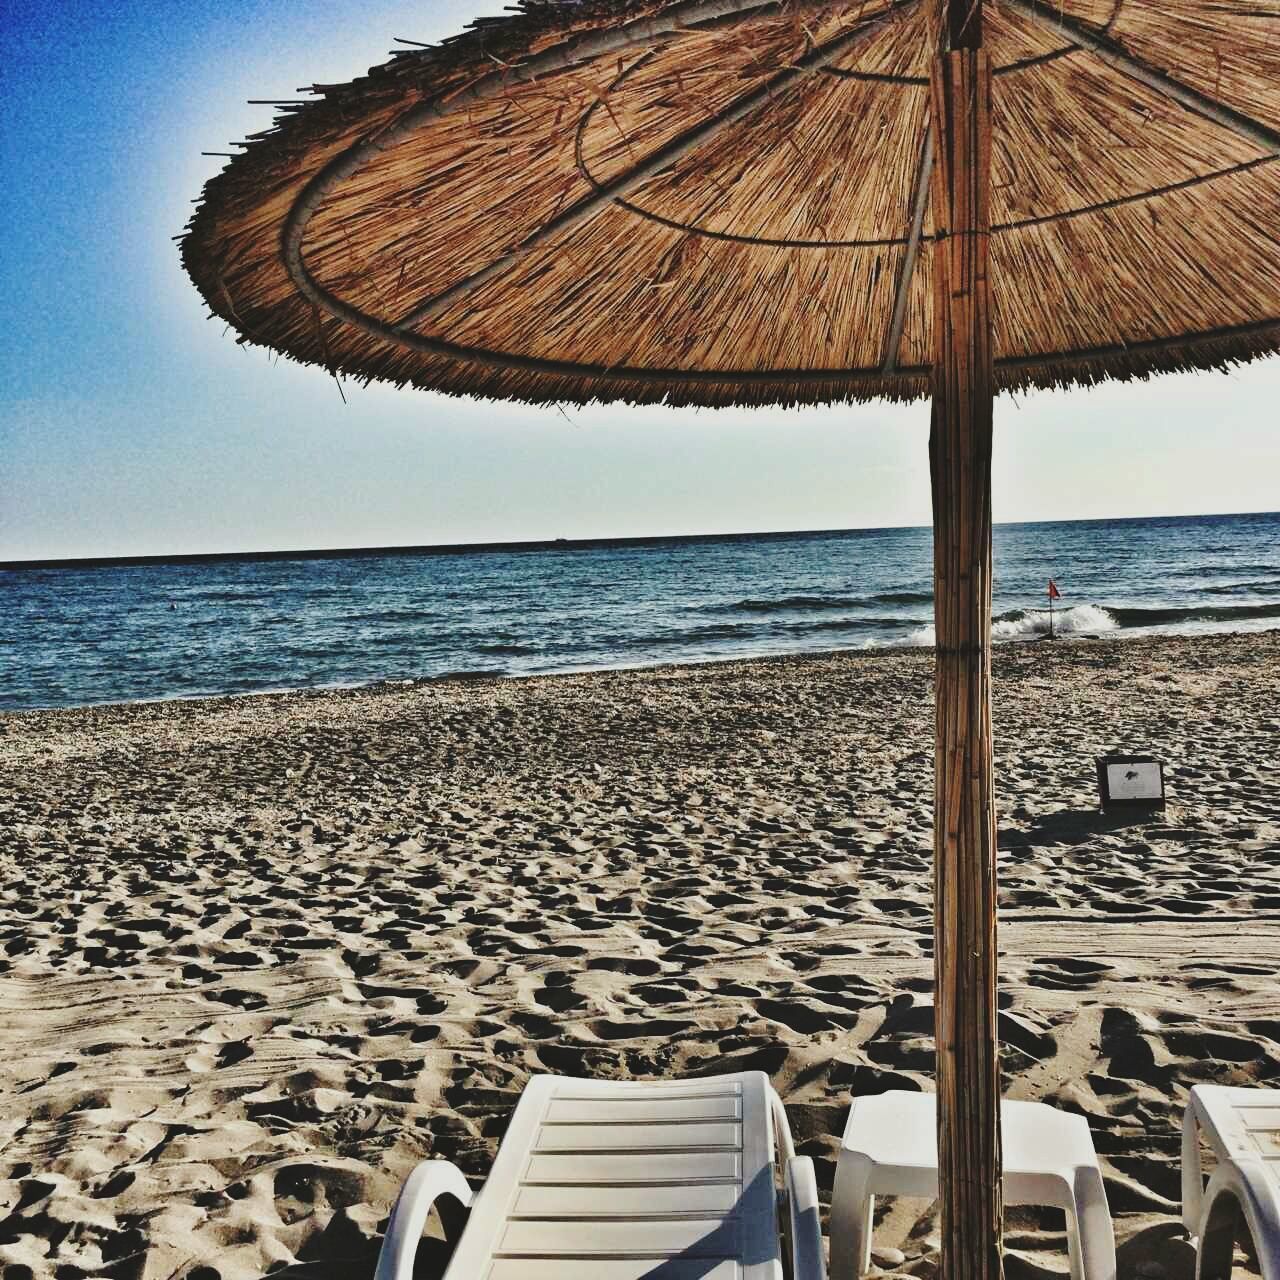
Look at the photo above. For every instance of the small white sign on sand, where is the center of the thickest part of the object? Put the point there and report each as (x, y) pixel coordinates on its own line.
(1130, 780)
(1134, 780)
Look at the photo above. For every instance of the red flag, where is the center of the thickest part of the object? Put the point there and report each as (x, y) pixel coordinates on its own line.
(1054, 593)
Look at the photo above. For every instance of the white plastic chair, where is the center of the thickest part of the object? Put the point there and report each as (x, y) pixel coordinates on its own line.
(1243, 1127)
(611, 1180)
(890, 1147)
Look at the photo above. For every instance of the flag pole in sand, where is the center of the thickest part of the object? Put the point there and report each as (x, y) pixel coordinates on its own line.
(1054, 594)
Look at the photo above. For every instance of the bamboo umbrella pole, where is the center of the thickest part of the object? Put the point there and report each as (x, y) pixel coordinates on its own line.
(968, 1071)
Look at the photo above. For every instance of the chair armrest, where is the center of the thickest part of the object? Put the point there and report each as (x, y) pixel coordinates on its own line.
(804, 1221)
(781, 1126)
(1247, 1184)
(1192, 1176)
(423, 1187)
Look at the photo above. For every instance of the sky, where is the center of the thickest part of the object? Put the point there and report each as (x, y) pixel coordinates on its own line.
(132, 424)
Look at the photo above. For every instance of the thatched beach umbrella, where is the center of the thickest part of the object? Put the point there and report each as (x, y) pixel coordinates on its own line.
(713, 202)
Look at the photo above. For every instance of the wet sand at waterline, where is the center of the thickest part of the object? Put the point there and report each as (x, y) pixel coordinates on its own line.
(258, 956)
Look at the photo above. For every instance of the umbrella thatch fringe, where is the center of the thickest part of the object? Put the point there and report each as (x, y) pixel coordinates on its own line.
(1221, 353)
(1133, 237)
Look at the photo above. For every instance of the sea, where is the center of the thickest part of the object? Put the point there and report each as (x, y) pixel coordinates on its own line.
(88, 634)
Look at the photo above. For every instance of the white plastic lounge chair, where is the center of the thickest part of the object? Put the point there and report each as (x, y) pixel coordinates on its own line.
(890, 1146)
(608, 1180)
(1243, 1127)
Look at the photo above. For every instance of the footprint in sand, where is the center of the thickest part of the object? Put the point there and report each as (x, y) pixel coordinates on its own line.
(639, 1029)
(1066, 973)
(558, 994)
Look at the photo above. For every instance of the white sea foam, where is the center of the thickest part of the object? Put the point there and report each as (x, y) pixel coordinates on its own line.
(1080, 619)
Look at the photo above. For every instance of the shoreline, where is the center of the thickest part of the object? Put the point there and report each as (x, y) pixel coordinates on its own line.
(463, 677)
(258, 956)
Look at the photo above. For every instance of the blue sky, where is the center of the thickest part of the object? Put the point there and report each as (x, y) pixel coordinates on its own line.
(129, 423)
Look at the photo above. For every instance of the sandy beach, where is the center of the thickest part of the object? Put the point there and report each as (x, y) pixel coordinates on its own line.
(258, 956)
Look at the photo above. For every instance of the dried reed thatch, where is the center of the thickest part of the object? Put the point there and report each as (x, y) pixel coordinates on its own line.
(723, 201)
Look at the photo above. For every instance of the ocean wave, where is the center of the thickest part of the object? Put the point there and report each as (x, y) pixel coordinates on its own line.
(781, 604)
(1092, 619)
(1134, 617)
(225, 595)
(1200, 570)
(1079, 619)
(757, 631)
(363, 617)
(843, 624)
(1023, 624)
(712, 631)
(509, 648)
(904, 597)
(734, 634)
(1231, 588)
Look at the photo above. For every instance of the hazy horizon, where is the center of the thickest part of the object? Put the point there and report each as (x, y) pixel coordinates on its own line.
(720, 535)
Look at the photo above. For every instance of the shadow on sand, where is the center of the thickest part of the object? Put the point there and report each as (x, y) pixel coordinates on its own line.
(1075, 826)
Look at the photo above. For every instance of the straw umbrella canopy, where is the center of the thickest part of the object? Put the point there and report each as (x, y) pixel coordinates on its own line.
(715, 202)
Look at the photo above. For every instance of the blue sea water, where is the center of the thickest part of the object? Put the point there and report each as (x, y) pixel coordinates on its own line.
(121, 633)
